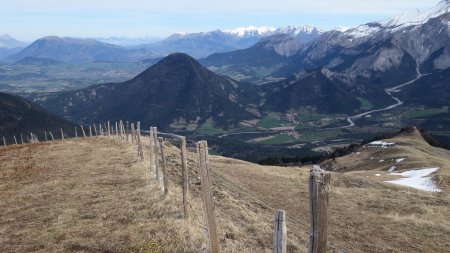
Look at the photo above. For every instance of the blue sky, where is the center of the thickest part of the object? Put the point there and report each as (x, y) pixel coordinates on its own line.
(142, 18)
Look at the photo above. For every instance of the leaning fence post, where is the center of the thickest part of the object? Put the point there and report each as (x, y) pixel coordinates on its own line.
(45, 133)
(280, 232)
(90, 131)
(4, 141)
(15, 140)
(319, 186)
(82, 129)
(76, 133)
(21, 138)
(185, 176)
(208, 200)
(95, 130)
(51, 135)
(164, 167)
(62, 134)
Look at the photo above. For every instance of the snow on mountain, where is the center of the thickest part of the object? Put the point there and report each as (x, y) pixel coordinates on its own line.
(400, 21)
(251, 31)
(294, 31)
(417, 17)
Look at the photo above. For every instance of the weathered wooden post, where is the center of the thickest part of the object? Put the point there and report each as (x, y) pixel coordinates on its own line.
(62, 134)
(185, 176)
(76, 133)
(21, 138)
(15, 140)
(95, 130)
(152, 152)
(164, 166)
(132, 132)
(90, 131)
(117, 131)
(51, 135)
(155, 150)
(127, 130)
(109, 129)
(45, 133)
(138, 133)
(319, 186)
(4, 141)
(208, 199)
(121, 129)
(101, 129)
(280, 232)
(82, 130)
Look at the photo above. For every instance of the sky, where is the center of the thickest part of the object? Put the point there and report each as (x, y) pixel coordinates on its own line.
(28, 20)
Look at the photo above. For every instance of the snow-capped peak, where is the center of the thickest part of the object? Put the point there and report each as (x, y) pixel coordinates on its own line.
(417, 17)
(296, 30)
(250, 30)
(400, 21)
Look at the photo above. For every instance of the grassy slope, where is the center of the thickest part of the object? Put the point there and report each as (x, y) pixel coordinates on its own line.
(75, 199)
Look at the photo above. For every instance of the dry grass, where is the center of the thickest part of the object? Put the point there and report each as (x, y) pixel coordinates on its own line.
(95, 196)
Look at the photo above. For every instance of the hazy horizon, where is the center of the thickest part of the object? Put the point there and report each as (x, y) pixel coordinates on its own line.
(139, 19)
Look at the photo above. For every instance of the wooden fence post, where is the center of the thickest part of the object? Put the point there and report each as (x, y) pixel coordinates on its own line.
(164, 167)
(117, 131)
(51, 135)
(21, 138)
(76, 133)
(155, 142)
(15, 140)
(109, 130)
(82, 129)
(185, 176)
(45, 133)
(95, 130)
(132, 133)
(62, 134)
(319, 186)
(90, 131)
(152, 150)
(4, 141)
(121, 129)
(280, 232)
(127, 130)
(208, 199)
(138, 133)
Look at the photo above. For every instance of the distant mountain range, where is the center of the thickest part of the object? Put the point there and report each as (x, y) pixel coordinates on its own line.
(119, 49)
(205, 43)
(78, 51)
(380, 53)
(19, 116)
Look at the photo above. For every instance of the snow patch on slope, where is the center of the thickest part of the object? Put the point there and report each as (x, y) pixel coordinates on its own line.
(417, 179)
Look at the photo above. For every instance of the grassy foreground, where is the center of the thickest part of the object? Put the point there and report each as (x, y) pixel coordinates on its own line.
(94, 195)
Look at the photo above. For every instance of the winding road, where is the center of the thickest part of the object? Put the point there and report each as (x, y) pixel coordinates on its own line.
(388, 91)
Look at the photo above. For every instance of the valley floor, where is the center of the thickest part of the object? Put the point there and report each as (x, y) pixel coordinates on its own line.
(95, 195)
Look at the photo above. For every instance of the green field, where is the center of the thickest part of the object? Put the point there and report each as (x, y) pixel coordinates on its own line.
(278, 139)
(423, 112)
(365, 104)
(208, 128)
(272, 120)
(307, 115)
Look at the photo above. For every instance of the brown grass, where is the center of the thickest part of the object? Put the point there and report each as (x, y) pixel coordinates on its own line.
(94, 195)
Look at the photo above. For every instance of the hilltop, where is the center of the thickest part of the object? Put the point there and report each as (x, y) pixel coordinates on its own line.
(80, 190)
